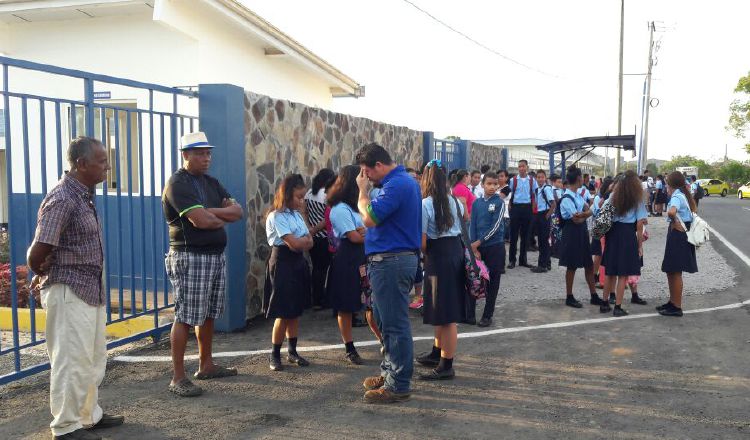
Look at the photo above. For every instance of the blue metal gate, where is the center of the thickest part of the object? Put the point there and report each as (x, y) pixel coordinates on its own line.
(453, 153)
(141, 134)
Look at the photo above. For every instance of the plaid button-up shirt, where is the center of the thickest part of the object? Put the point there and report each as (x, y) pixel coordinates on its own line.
(68, 221)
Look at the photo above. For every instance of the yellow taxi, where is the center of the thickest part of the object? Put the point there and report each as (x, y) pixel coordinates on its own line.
(715, 186)
(744, 191)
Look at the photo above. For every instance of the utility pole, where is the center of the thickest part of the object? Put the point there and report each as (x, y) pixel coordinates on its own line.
(619, 88)
(643, 159)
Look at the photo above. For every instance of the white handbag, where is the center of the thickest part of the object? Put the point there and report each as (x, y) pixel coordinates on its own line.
(698, 233)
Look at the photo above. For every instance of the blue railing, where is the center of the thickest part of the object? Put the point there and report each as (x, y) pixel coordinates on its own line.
(453, 153)
(143, 147)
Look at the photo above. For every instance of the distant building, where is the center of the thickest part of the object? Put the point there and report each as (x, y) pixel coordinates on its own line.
(525, 148)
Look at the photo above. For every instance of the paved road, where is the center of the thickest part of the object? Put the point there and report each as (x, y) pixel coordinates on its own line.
(731, 217)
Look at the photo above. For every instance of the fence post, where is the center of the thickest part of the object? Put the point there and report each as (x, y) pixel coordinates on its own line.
(504, 158)
(428, 140)
(551, 162)
(466, 158)
(221, 108)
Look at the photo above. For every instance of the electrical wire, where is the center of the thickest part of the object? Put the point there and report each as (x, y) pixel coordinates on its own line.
(478, 43)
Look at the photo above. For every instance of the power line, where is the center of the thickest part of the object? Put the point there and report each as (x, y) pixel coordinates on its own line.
(480, 44)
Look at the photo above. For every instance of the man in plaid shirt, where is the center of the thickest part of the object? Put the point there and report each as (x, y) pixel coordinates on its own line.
(66, 256)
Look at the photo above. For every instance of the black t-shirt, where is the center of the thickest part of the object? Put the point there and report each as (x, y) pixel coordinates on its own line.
(182, 193)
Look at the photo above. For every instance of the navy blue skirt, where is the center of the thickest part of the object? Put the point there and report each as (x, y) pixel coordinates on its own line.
(287, 287)
(620, 256)
(444, 281)
(344, 285)
(575, 246)
(596, 247)
(679, 254)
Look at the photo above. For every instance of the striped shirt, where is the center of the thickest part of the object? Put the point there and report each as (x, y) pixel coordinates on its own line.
(67, 220)
(316, 209)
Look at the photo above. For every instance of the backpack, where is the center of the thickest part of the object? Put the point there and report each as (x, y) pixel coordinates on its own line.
(477, 275)
(603, 221)
(699, 192)
(698, 232)
(557, 223)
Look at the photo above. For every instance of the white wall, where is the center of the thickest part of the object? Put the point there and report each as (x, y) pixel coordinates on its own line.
(189, 44)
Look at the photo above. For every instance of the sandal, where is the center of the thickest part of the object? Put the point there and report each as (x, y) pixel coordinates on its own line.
(185, 388)
(217, 373)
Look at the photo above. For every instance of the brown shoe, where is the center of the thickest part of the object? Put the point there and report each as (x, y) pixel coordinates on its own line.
(374, 382)
(384, 395)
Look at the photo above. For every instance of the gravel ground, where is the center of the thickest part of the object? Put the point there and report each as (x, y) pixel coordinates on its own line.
(520, 284)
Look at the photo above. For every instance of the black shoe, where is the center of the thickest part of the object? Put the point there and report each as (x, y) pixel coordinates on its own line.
(619, 311)
(604, 307)
(539, 269)
(354, 358)
(612, 299)
(79, 434)
(469, 321)
(109, 421)
(275, 363)
(664, 306)
(525, 265)
(638, 300)
(572, 302)
(511, 265)
(294, 358)
(596, 301)
(671, 310)
(485, 322)
(438, 374)
(502, 271)
(427, 360)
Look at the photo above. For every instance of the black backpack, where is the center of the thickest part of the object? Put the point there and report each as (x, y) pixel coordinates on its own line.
(699, 192)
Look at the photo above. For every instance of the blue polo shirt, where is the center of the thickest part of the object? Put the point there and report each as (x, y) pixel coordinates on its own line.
(541, 194)
(569, 207)
(522, 188)
(397, 213)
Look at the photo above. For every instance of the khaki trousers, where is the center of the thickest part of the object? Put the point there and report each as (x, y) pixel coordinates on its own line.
(77, 350)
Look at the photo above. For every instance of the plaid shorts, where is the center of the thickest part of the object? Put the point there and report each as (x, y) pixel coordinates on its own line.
(198, 281)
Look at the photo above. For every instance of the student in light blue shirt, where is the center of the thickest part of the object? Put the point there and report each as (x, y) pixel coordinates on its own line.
(546, 205)
(596, 243)
(624, 241)
(288, 283)
(679, 254)
(575, 247)
(523, 187)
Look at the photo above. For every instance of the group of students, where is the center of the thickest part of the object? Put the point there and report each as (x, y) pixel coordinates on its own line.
(462, 214)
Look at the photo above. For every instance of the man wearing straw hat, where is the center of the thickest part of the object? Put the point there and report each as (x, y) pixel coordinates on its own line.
(196, 208)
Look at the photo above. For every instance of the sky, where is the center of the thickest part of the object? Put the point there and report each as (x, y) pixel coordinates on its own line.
(563, 83)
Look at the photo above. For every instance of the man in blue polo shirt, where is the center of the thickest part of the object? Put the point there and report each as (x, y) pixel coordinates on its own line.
(393, 239)
(523, 187)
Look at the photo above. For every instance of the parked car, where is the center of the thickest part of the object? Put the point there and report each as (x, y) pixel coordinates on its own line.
(715, 186)
(743, 191)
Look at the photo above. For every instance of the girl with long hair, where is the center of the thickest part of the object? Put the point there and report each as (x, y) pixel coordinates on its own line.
(287, 286)
(345, 277)
(596, 243)
(624, 240)
(444, 283)
(575, 247)
(679, 254)
(661, 196)
(315, 201)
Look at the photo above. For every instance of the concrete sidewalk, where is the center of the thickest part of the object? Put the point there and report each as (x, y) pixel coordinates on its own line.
(645, 378)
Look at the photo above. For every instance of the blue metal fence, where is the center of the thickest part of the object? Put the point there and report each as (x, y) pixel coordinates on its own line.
(453, 153)
(142, 143)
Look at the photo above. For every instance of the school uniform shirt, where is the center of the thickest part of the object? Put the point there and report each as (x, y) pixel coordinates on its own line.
(428, 219)
(569, 207)
(506, 194)
(585, 193)
(559, 192)
(659, 185)
(693, 188)
(541, 194)
(279, 224)
(523, 188)
(461, 190)
(679, 201)
(487, 221)
(595, 206)
(636, 214)
(478, 191)
(344, 219)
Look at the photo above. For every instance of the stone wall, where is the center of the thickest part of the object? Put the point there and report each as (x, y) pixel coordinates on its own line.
(480, 154)
(283, 137)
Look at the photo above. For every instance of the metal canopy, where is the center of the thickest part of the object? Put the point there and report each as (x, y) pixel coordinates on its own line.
(626, 142)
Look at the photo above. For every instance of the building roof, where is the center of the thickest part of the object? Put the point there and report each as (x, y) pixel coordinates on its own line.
(521, 142)
(278, 43)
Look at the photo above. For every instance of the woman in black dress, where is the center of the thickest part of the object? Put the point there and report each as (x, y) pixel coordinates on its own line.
(287, 286)
(345, 275)
(445, 277)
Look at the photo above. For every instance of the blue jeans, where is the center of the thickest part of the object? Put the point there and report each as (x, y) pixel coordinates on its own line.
(391, 280)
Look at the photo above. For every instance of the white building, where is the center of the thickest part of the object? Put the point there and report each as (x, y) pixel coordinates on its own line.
(177, 43)
(525, 148)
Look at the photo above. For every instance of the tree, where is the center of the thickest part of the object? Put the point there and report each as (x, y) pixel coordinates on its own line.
(705, 170)
(651, 167)
(739, 110)
(734, 171)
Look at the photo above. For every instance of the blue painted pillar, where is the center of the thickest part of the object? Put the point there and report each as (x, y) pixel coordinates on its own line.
(504, 159)
(222, 119)
(551, 162)
(428, 140)
(466, 155)
(563, 166)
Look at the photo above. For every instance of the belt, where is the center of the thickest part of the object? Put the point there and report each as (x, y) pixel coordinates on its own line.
(381, 255)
